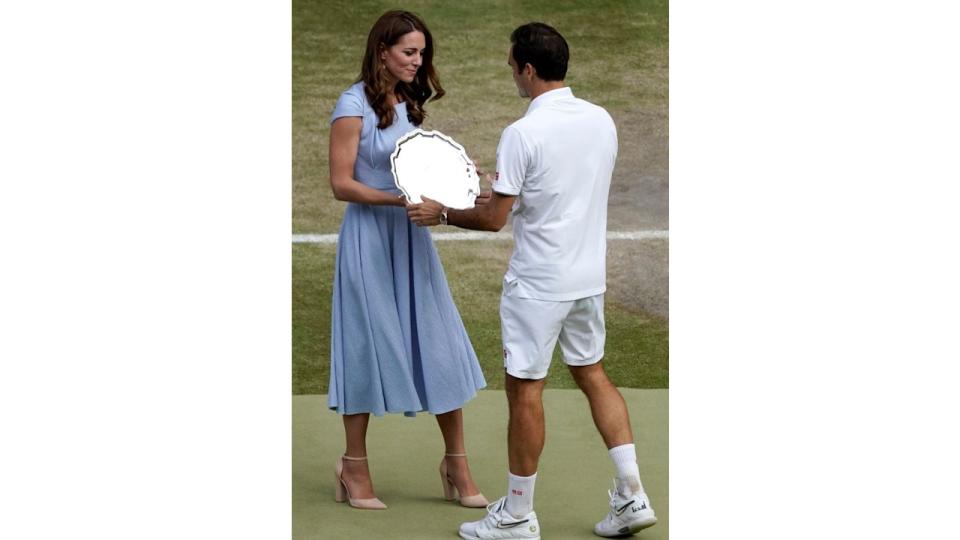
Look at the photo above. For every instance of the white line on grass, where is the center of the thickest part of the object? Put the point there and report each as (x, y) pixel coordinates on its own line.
(474, 235)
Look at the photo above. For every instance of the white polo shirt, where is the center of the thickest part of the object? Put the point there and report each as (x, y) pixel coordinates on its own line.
(558, 160)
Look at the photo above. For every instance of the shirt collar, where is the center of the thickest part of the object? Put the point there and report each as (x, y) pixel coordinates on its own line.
(549, 97)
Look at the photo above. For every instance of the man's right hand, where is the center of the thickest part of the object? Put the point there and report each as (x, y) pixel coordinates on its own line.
(426, 213)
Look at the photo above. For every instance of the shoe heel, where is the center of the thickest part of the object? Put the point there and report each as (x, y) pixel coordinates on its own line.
(449, 490)
(339, 491)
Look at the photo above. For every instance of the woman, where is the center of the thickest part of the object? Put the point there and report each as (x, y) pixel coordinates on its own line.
(398, 342)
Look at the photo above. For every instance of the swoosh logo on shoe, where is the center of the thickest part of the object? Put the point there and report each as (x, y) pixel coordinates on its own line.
(502, 525)
(624, 507)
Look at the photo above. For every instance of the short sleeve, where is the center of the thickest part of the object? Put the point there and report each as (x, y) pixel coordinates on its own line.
(512, 159)
(350, 103)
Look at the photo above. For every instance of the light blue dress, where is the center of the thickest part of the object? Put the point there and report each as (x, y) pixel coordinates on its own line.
(398, 343)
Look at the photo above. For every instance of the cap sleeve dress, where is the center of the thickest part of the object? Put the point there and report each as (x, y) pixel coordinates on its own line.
(398, 344)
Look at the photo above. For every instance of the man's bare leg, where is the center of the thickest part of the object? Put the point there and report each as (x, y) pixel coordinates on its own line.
(606, 404)
(525, 436)
(525, 431)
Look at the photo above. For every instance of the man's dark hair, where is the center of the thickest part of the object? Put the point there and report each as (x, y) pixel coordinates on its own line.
(541, 46)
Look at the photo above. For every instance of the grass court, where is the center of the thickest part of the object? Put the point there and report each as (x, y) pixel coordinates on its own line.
(618, 60)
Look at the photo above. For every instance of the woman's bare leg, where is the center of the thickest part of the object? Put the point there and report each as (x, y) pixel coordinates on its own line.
(451, 426)
(356, 474)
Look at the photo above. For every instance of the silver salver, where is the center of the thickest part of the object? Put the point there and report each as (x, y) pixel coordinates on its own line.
(431, 164)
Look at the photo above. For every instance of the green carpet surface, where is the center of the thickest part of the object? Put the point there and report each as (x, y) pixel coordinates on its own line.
(572, 481)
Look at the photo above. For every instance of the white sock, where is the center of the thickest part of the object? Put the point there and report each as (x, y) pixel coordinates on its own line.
(628, 473)
(520, 494)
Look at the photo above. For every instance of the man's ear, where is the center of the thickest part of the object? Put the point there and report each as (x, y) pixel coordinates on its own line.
(528, 69)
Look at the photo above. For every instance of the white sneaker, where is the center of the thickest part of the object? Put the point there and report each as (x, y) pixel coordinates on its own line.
(627, 515)
(501, 525)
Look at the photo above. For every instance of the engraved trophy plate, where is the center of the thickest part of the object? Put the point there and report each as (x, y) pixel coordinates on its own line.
(431, 164)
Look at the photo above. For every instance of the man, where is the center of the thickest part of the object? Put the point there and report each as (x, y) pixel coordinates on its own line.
(553, 171)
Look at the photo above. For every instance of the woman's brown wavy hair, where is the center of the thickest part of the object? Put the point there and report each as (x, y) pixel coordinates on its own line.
(386, 32)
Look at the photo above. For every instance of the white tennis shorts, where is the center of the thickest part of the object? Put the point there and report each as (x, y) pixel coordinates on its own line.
(530, 329)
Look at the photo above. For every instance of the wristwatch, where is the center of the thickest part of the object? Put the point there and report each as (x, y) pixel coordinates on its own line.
(443, 216)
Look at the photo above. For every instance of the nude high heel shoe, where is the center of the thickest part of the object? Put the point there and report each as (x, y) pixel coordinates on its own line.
(450, 491)
(341, 493)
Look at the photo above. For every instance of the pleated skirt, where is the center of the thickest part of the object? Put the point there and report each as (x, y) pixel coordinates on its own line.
(398, 343)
